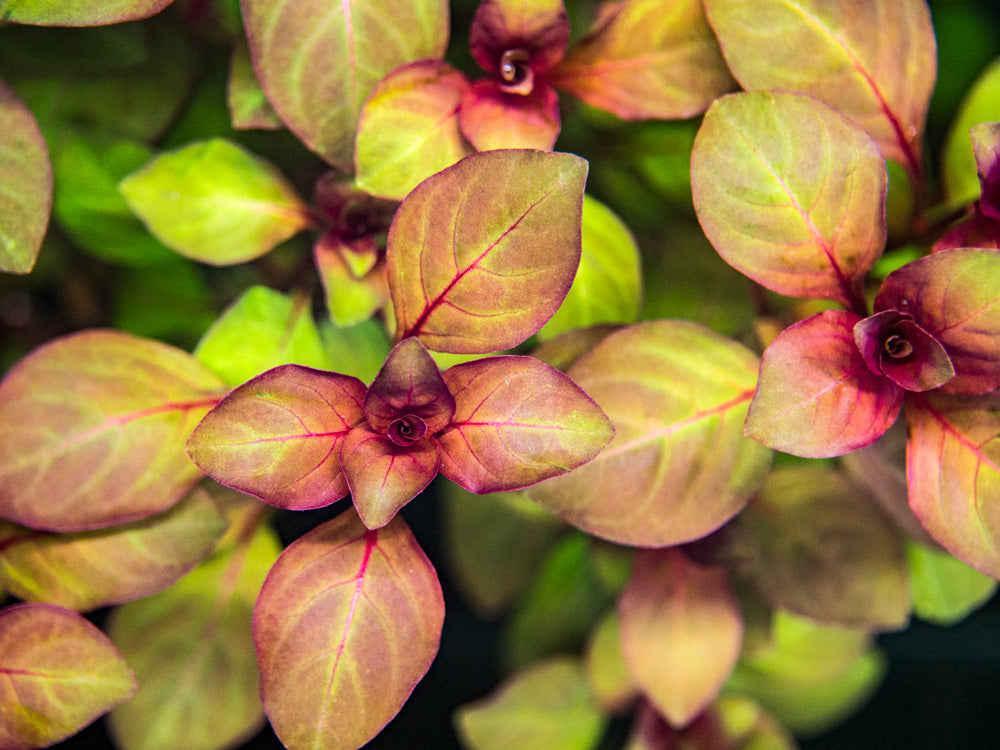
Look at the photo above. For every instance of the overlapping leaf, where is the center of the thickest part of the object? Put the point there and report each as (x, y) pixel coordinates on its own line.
(958, 162)
(679, 466)
(492, 118)
(481, 254)
(92, 430)
(247, 103)
(791, 193)
(945, 590)
(347, 623)
(608, 673)
(78, 12)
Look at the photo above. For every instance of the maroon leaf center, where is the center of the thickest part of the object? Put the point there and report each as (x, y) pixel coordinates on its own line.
(898, 347)
(516, 74)
(407, 430)
(894, 345)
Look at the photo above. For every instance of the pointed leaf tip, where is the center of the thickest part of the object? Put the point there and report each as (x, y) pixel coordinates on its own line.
(409, 384)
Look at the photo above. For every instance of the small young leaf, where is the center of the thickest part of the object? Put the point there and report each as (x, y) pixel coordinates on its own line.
(681, 632)
(492, 118)
(60, 673)
(816, 396)
(334, 667)
(465, 270)
(278, 436)
(214, 202)
(25, 184)
(791, 193)
(409, 384)
(958, 162)
(78, 12)
(646, 60)
(351, 297)
(945, 590)
(679, 466)
(517, 421)
(540, 29)
(249, 108)
(92, 430)
(986, 146)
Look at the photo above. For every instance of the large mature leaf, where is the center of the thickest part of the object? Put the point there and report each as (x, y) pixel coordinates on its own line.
(644, 59)
(545, 707)
(318, 61)
(517, 421)
(945, 589)
(816, 396)
(347, 623)
(92, 430)
(60, 673)
(791, 193)
(278, 436)
(958, 161)
(25, 184)
(214, 202)
(91, 569)
(78, 12)
(481, 254)
(679, 466)
(192, 647)
(874, 60)
(953, 465)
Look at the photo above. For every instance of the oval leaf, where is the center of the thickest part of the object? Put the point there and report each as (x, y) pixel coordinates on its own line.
(60, 673)
(681, 632)
(318, 61)
(816, 396)
(334, 667)
(93, 569)
(875, 61)
(78, 12)
(791, 193)
(679, 466)
(278, 436)
(25, 183)
(214, 202)
(92, 430)
(465, 271)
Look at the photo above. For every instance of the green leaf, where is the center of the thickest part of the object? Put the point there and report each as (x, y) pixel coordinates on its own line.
(214, 202)
(78, 12)
(958, 163)
(358, 350)
(347, 623)
(25, 185)
(318, 87)
(60, 673)
(354, 293)
(608, 284)
(679, 465)
(465, 271)
(608, 673)
(170, 302)
(249, 108)
(945, 590)
(791, 193)
(261, 330)
(544, 707)
(92, 430)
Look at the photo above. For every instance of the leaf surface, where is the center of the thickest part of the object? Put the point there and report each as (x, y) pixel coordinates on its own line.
(791, 193)
(679, 466)
(78, 12)
(465, 271)
(347, 623)
(540, 28)
(945, 589)
(492, 118)
(92, 430)
(958, 162)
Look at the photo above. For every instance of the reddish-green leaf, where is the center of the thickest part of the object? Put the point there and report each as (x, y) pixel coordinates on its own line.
(25, 184)
(91, 569)
(953, 466)
(874, 60)
(408, 128)
(644, 59)
(318, 61)
(681, 632)
(465, 268)
(986, 146)
(92, 430)
(347, 623)
(816, 396)
(539, 28)
(493, 118)
(954, 296)
(78, 12)
(248, 106)
(679, 466)
(517, 421)
(791, 193)
(409, 384)
(59, 674)
(278, 436)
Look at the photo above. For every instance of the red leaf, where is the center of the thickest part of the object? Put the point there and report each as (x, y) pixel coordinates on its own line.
(409, 384)
(492, 118)
(986, 146)
(894, 346)
(541, 29)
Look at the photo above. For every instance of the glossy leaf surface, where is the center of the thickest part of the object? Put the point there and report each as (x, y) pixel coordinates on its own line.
(278, 436)
(465, 271)
(517, 421)
(78, 12)
(646, 60)
(318, 61)
(679, 466)
(92, 430)
(816, 396)
(874, 61)
(334, 667)
(60, 673)
(25, 184)
(791, 193)
(92, 569)
(214, 202)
